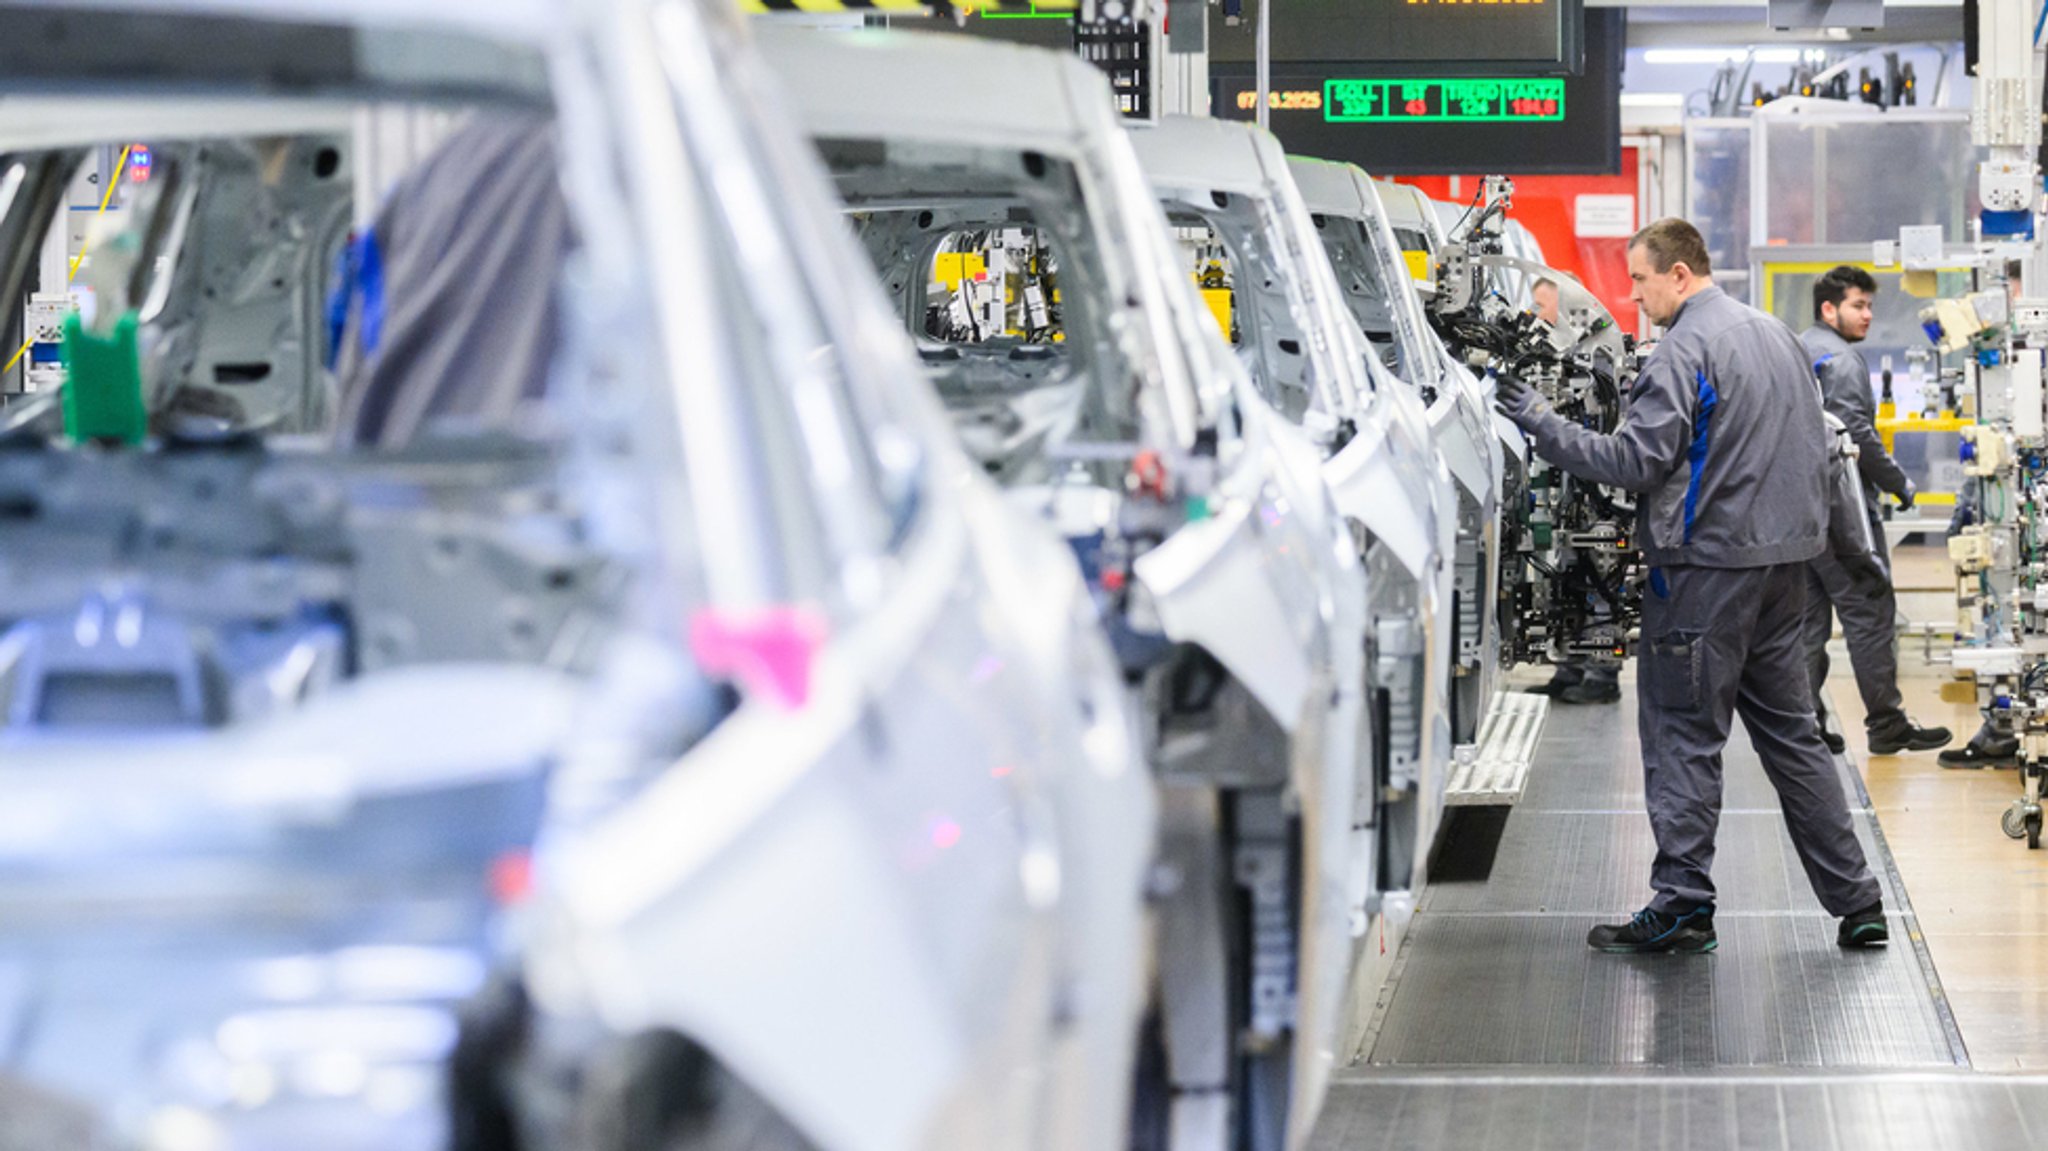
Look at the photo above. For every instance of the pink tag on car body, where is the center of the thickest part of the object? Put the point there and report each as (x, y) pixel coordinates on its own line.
(769, 651)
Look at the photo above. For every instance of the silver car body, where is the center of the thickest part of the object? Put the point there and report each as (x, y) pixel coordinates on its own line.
(1269, 584)
(935, 849)
(1413, 217)
(1307, 354)
(1473, 441)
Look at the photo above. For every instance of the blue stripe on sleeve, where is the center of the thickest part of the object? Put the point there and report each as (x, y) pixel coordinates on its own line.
(1702, 428)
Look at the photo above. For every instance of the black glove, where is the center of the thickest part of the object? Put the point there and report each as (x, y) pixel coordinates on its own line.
(1515, 399)
(1906, 497)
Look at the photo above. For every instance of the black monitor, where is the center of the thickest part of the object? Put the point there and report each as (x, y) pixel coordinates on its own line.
(1405, 122)
(1416, 37)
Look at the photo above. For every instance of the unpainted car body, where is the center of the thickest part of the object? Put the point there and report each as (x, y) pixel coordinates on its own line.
(1308, 356)
(1473, 441)
(1417, 226)
(1243, 616)
(919, 862)
(475, 717)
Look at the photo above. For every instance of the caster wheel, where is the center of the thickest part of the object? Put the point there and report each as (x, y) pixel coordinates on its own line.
(2013, 823)
(2033, 830)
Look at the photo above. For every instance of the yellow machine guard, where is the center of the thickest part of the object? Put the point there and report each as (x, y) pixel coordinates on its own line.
(1889, 426)
(1218, 300)
(949, 268)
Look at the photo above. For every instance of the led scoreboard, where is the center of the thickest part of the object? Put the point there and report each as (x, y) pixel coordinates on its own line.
(1535, 98)
(1409, 120)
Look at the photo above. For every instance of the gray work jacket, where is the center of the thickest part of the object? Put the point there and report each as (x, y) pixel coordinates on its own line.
(1845, 389)
(1722, 440)
(450, 297)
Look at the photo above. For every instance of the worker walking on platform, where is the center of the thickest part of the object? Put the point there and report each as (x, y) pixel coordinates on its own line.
(1862, 597)
(1724, 442)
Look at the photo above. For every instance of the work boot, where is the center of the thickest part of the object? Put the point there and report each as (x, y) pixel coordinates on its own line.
(1905, 735)
(1562, 678)
(1591, 689)
(1985, 753)
(1865, 928)
(1835, 742)
(1651, 931)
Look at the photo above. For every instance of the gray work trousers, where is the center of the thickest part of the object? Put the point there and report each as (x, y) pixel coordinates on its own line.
(1869, 611)
(1717, 643)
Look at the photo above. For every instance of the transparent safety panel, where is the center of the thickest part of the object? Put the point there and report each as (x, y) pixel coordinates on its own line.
(1840, 180)
(1717, 198)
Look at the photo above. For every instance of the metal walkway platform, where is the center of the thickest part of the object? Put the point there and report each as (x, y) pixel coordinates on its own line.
(1494, 770)
(1500, 1028)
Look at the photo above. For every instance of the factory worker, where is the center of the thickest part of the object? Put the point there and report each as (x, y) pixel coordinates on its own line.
(448, 312)
(1724, 443)
(1861, 596)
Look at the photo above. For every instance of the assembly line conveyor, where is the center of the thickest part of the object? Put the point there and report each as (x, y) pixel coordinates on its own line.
(1499, 1028)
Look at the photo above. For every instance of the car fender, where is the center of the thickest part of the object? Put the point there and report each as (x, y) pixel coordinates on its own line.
(1214, 584)
(1363, 478)
(1465, 439)
(1103, 799)
(704, 901)
(1210, 586)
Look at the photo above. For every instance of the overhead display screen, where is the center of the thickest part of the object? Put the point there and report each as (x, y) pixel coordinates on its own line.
(1407, 125)
(1535, 98)
(1427, 37)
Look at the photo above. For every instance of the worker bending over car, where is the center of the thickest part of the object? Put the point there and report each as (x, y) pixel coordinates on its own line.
(1724, 443)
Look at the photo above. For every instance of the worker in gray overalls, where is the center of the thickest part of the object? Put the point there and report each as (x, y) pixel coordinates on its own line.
(1861, 594)
(1724, 443)
(447, 310)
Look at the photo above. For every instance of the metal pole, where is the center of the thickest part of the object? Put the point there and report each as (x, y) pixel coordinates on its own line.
(1264, 55)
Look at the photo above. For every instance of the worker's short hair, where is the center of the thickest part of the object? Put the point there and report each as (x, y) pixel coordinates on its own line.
(1543, 281)
(1673, 241)
(1834, 284)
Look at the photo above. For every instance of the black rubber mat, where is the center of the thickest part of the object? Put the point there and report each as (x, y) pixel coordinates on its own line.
(1749, 1113)
(1598, 865)
(1526, 990)
(1497, 973)
(1589, 761)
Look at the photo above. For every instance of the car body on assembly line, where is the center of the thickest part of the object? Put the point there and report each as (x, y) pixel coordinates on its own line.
(1020, 242)
(1369, 230)
(668, 732)
(1228, 184)
(1418, 230)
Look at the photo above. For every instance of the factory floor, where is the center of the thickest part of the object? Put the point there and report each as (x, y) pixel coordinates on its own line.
(1499, 1028)
(1982, 899)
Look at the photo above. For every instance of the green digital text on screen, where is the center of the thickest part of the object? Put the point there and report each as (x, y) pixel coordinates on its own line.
(1379, 101)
